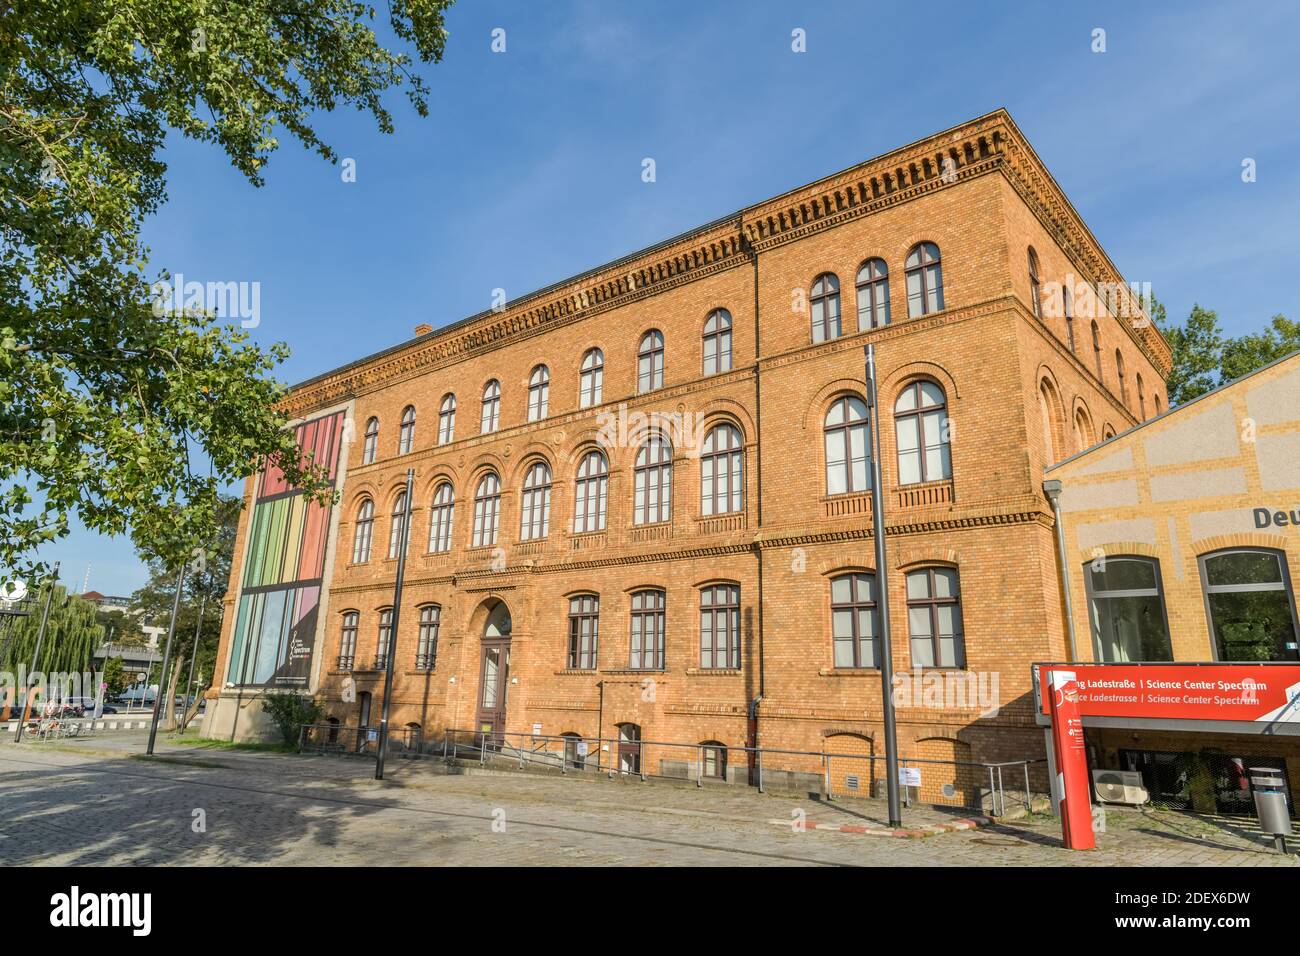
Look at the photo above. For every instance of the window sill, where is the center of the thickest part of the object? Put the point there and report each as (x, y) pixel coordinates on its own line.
(577, 671)
(849, 672)
(636, 670)
(714, 671)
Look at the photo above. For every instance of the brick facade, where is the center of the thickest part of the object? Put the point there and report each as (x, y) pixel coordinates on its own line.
(980, 195)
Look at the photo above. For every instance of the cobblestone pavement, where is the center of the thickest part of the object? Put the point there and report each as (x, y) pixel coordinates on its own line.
(70, 804)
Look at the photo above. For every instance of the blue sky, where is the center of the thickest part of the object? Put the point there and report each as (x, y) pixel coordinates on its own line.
(528, 169)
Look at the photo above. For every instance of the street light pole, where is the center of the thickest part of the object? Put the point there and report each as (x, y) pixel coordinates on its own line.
(882, 597)
(194, 655)
(391, 650)
(36, 654)
(167, 653)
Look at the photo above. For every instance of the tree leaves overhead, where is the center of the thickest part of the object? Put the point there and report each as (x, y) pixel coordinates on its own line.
(104, 404)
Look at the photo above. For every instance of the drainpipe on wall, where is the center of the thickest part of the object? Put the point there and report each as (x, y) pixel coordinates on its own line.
(755, 779)
(1052, 488)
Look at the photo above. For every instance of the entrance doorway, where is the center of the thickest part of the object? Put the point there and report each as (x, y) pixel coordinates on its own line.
(494, 675)
(629, 748)
(363, 719)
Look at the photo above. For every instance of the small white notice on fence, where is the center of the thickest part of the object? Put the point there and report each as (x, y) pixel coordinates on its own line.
(909, 776)
(582, 748)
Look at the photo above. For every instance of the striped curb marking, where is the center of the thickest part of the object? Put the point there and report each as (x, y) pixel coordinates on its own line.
(967, 824)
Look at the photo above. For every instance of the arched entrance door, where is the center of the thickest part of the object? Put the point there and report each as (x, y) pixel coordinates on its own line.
(494, 676)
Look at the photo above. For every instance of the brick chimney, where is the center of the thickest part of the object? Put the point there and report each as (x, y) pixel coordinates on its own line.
(424, 328)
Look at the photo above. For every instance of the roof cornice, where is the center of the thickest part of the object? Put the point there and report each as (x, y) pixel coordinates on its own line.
(986, 144)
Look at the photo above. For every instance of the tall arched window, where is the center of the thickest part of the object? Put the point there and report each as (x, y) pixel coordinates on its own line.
(1249, 603)
(853, 619)
(591, 384)
(1067, 309)
(590, 493)
(440, 517)
(371, 445)
(1155, 403)
(447, 419)
(717, 342)
(535, 510)
(395, 527)
(348, 640)
(934, 618)
(924, 280)
(652, 496)
(406, 433)
(1047, 413)
(825, 303)
(1096, 348)
(647, 651)
(539, 393)
(873, 295)
(584, 631)
(650, 362)
(921, 427)
(1142, 398)
(1083, 437)
(487, 510)
(426, 651)
(490, 417)
(1123, 382)
(383, 637)
(722, 471)
(845, 433)
(1035, 290)
(364, 532)
(720, 626)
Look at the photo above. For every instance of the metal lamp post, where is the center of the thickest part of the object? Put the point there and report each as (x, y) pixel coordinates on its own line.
(391, 650)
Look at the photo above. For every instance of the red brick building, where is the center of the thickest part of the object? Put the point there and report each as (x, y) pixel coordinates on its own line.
(677, 581)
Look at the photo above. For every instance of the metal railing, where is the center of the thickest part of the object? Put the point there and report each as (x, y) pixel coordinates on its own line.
(338, 739)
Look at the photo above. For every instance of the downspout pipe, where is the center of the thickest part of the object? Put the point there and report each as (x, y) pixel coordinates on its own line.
(1052, 488)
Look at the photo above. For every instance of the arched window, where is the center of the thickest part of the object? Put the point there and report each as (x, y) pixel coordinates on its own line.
(535, 513)
(490, 417)
(395, 527)
(853, 619)
(383, 637)
(845, 433)
(629, 748)
(921, 427)
(1047, 413)
(650, 362)
(1142, 399)
(1083, 437)
(717, 342)
(592, 382)
(873, 295)
(348, 640)
(1249, 603)
(426, 651)
(406, 433)
(924, 280)
(934, 618)
(1123, 382)
(1035, 290)
(1127, 608)
(720, 627)
(1107, 432)
(584, 631)
(440, 515)
(713, 760)
(825, 304)
(487, 510)
(447, 419)
(590, 493)
(1067, 309)
(539, 393)
(1155, 403)
(722, 466)
(647, 651)
(364, 532)
(371, 444)
(652, 498)
(1096, 348)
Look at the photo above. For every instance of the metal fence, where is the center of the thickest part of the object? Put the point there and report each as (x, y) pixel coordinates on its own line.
(1205, 781)
(340, 740)
(988, 787)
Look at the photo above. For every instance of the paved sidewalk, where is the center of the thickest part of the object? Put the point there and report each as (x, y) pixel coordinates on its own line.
(96, 806)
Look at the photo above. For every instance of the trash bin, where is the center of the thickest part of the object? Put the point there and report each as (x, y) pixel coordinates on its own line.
(1269, 788)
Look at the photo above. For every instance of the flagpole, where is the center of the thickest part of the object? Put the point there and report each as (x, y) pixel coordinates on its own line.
(167, 654)
(391, 650)
(882, 597)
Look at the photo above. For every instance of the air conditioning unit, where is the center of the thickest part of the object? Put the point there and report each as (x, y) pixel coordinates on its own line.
(1120, 786)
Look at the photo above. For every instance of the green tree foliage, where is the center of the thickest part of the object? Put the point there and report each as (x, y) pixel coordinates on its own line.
(289, 712)
(115, 676)
(105, 399)
(71, 636)
(1204, 358)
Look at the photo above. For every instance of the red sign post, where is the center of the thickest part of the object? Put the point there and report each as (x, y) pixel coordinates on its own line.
(1071, 760)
